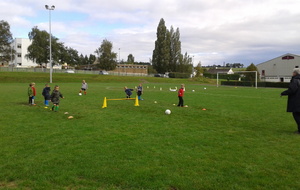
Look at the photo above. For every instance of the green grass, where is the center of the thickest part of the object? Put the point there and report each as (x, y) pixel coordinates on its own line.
(243, 140)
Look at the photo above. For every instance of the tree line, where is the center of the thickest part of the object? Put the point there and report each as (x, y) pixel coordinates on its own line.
(167, 56)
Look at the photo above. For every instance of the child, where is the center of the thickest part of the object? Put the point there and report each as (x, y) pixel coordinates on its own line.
(84, 87)
(55, 98)
(180, 96)
(139, 91)
(30, 94)
(33, 92)
(46, 94)
(128, 91)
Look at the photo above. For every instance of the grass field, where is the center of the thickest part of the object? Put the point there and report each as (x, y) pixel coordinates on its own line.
(244, 140)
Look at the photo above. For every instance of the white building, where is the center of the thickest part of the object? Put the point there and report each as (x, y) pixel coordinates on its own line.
(279, 69)
(20, 45)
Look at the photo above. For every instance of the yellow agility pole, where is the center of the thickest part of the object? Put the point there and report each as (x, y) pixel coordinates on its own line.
(104, 103)
(136, 102)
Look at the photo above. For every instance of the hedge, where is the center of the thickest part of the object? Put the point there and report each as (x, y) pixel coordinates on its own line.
(222, 76)
(180, 75)
(259, 84)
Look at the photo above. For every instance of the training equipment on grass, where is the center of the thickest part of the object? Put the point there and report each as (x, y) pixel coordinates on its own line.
(174, 89)
(79, 94)
(136, 102)
(168, 112)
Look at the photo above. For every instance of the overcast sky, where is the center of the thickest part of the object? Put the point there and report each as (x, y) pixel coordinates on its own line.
(214, 31)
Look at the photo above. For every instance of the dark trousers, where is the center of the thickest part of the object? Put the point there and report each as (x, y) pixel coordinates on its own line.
(30, 100)
(180, 101)
(297, 119)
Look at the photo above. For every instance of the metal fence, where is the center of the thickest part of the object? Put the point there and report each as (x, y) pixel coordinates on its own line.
(44, 70)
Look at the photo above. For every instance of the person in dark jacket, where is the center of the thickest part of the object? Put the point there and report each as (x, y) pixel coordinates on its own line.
(293, 93)
(46, 94)
(55, 98)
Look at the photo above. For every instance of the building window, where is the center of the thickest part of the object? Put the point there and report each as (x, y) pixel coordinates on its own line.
(263, 72)
(296, 66)
(288, 57)
(20, 64)
(19, 46)
(19, 55)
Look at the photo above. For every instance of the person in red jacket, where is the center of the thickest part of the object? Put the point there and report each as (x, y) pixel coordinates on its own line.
(180, 96)
(34, 92)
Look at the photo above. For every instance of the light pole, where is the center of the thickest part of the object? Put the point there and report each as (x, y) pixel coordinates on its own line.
(50, 49)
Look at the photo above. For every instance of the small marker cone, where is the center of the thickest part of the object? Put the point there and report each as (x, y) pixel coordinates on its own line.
(136, 102)
(104, 103)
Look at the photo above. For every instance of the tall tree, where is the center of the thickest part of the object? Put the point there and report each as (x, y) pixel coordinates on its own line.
(70, 56)
(130, 59)
(186, 64)
(107, 59)
(5, 41)
(161, 52)
(175, 49)
(92, 59)
(38, 51)
(251, 75)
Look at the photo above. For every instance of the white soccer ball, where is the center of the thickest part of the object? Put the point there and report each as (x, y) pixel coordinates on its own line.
(79, 94)
(168, 112)
(193, 90)
(204, 88)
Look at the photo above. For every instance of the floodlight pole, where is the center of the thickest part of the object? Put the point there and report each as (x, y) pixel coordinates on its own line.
(50, 49)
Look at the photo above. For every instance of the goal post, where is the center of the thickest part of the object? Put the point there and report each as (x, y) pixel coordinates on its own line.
(238, 72)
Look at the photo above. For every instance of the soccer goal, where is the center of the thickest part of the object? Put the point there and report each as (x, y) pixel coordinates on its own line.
(238, 72)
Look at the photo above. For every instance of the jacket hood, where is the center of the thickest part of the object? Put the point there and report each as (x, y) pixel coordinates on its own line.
(47, 88)
(296, 77)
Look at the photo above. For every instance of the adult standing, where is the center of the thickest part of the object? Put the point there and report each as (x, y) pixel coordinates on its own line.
(293, 93)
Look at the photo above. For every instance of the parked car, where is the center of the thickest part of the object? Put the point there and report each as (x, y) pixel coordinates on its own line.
(103, 73)
(166, 75)
(69, 71)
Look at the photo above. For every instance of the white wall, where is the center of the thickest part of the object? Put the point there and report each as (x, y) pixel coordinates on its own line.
(278, 67)
(20, 45)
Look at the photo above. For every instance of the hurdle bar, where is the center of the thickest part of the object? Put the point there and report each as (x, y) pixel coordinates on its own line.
(136, 102)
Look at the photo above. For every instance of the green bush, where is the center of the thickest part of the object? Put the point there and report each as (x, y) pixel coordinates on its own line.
(259, 84)
(222, 76)
(180, 75)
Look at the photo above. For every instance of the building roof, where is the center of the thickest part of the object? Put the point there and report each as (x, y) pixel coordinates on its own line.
(287, 54)
(215, 71)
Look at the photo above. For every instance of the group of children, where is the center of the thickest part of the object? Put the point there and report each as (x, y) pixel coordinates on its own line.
(139, 91)
(53, 97)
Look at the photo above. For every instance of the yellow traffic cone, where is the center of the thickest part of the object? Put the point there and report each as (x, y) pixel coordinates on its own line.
(136, 103)
(104, 103)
